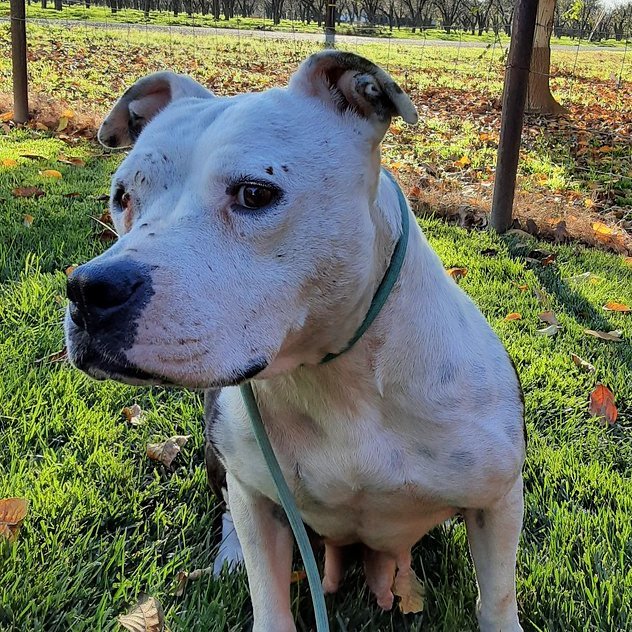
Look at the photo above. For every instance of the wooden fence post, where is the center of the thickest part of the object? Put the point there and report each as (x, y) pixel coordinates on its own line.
(330, 24)
(514, 97)
(18, 56)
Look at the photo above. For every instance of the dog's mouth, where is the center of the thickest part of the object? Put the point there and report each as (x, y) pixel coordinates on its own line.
(101, 363)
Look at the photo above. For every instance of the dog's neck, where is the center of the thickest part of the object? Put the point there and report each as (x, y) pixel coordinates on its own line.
(365, 373)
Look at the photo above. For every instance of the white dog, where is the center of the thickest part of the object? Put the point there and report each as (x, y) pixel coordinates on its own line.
(254, 231)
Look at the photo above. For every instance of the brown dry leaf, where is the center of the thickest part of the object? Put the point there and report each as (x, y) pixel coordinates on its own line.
(71, 160)
(297, 576)
(70, 269)
(627, 260)
(9, 162)
(551, 330)
(68, 114)
(602, 405)
(548, 260)
(147, 616)
(411, 592)
(560, 233)
(613, 336)
(605, 149)
(28, 220)
(463, 161)
(457, 273)
(63, 124)
(12, 514)
(168, 450)
(107, 235)
(51, 173)
(40, 126)
(524, 287)
(6, 116)
(184, 577)
(612, 306)
(582, 364)
(32, 156)
(57, 356)
(513, 316)
(27, 192)
(133, 414)
(549, 317)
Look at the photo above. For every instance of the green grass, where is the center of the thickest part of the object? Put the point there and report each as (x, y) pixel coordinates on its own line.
(106, 524)
(166, 18)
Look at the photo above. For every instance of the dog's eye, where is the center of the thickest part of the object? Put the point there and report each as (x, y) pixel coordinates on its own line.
(254, 196)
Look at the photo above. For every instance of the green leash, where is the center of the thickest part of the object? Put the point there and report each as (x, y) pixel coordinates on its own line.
(285, 495)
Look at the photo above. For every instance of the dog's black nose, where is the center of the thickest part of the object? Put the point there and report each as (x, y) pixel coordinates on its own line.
(100, 290)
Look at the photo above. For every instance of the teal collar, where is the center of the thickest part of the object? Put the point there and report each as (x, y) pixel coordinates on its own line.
(284, 493)
(390, 276)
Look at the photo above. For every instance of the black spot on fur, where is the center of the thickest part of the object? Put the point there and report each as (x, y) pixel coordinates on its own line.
(448, 372)
(285, 168)
(521, 393)
(215, 471)
(270, 171)
(462, 459)
(424, 451)
(480, 519)
(112, 141)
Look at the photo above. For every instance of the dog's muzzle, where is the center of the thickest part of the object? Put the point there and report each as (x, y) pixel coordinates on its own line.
(106, 301)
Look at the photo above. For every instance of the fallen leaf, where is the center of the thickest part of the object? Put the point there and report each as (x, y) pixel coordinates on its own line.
(73, 194)
(540, 295)
(106, 235)
(524, 287)
(601, 228)
(184, 577)
(602, 405)
(9, 162)
(612, 336)
(40, 126)
(71, 160)
(582, 364)
(57, 356)
(513, 316)
(457, 273)
(585, 276)
(612, 306)
(6, 116)
(548, 260)
(463, 161)
(51, 173)
(297, 576)
(605, 149)
(12, 514)
(551, 330)
(519, 233)
(68, 114)
(133, 414)
(70, 269)
(166, 451)
(28, 220)
(27, 192)
(63, 124)
(32, 156)
(147, 616)
(549, 317)
(531, 227)
(560, 233)
(627, 260)
(410, 590)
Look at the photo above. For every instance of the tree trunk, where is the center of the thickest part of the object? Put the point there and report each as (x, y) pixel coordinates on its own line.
(58, 6)
(539, 97)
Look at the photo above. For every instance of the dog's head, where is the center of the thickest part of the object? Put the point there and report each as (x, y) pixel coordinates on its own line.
(247, 234)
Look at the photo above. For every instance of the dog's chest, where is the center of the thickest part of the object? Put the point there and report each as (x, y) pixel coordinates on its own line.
(361, 483)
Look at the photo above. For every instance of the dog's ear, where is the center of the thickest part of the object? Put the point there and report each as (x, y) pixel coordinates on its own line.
(350, 82)
(140, 103)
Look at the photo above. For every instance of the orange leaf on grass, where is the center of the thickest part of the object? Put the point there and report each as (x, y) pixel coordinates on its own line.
(613, 306)
(602, 405)
(457, 273)
(12, 514)
(513, 316)
(27, 192)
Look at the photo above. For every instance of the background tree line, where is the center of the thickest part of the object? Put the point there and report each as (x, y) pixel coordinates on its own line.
(588, 19)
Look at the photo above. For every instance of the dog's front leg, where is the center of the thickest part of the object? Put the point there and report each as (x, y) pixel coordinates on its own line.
(493, 535)
(266, 542)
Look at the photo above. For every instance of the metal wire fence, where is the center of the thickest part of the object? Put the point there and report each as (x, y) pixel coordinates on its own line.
(578, 161)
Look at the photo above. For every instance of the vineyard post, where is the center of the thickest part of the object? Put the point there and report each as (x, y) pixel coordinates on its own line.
(330, 24)
(18, 56)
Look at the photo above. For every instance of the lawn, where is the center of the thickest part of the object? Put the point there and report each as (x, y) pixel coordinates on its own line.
(292, 25)
(106, 523)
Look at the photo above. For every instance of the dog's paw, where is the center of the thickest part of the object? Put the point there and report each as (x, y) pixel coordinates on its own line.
(229, 554)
